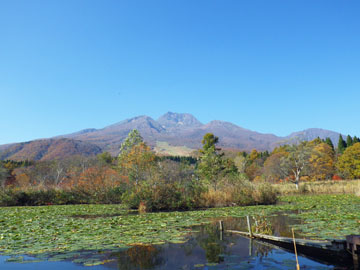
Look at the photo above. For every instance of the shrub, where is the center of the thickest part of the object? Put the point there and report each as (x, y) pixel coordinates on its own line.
(264, 193)
(7, 198)
(13, 197)
(113, 195)
(163, 196)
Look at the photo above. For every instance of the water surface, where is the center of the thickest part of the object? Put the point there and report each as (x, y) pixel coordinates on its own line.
(206, 248)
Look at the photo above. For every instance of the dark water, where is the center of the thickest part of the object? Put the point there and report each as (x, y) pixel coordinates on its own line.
(208, 248)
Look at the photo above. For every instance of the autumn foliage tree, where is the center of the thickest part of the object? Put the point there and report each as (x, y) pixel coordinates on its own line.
(272, 166)
(322, 162)
(296, 163)
(136, 159)
(349, 162)
(97, 179)
(137, 163)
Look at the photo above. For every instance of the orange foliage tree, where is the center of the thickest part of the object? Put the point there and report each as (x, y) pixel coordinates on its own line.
(272, 166)
(95, 179)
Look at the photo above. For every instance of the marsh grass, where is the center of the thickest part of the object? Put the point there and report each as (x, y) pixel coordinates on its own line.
(321, 187)
(241, 194)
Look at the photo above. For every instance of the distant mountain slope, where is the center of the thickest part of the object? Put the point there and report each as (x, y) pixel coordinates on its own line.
(110, 137)
(177, 130)
(230, 136)
(181, 130)
(313, 133)
(49, 149)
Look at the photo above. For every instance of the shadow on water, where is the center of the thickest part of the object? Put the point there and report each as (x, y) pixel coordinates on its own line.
(206, 248)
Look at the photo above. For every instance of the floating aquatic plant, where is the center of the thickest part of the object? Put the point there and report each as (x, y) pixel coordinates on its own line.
(72, 228)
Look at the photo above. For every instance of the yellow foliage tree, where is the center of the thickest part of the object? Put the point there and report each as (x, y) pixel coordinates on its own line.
(349, 162)
(322, 162)
(137, 163)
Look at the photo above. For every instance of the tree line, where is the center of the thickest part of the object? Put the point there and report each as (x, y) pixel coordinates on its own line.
(139, 177)
(309, 160)
(136, 177)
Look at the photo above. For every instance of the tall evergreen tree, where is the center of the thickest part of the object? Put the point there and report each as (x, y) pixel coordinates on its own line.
(341, 145)
(349, 141)
(356, 140)
(330, 143)
(133, 138)
(212, 164)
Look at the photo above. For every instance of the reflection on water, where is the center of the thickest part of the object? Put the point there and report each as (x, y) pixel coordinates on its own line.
(207, 248)
(139, 257)
(277, 224)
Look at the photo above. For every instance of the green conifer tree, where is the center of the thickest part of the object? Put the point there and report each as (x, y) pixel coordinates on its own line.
(330, 143)
(341, 145)
(349, 141)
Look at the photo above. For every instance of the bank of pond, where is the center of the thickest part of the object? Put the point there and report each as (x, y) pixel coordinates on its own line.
(111, 236)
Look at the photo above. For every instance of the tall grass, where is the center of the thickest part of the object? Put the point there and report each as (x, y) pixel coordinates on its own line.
(240, 194)
(321, 187)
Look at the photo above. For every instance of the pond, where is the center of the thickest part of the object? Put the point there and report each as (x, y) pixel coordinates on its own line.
(205, 248)
(111, 236)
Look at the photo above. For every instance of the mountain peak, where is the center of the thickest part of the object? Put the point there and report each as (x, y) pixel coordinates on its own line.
(174, 120)
(141, 123)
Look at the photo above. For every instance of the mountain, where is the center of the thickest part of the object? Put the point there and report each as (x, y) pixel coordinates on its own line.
(313, 133)
(110, 138)
(230, 136)
(49, 149)
(171, 133)
(172, 120)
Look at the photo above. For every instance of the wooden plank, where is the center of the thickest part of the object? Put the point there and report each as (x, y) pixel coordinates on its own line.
(337, 245)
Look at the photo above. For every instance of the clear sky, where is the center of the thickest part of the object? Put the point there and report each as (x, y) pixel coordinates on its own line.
(269, 66)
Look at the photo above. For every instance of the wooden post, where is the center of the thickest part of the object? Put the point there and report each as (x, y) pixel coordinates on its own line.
(249, 226)
(352, 245)
(221, 225)
(297, 261)
(221, 228)
(250, 246)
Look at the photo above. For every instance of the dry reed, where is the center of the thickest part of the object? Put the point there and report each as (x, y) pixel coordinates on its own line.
(321, 187)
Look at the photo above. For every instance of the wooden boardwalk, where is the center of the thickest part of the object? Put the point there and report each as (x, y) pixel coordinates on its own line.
(334, 245)
(325, 251)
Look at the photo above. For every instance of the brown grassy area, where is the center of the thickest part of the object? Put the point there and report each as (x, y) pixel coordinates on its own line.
(163, 148)
(241, 194)
(321, 187)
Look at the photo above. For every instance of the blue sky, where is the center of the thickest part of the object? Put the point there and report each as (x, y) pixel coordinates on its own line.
(270, 66)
